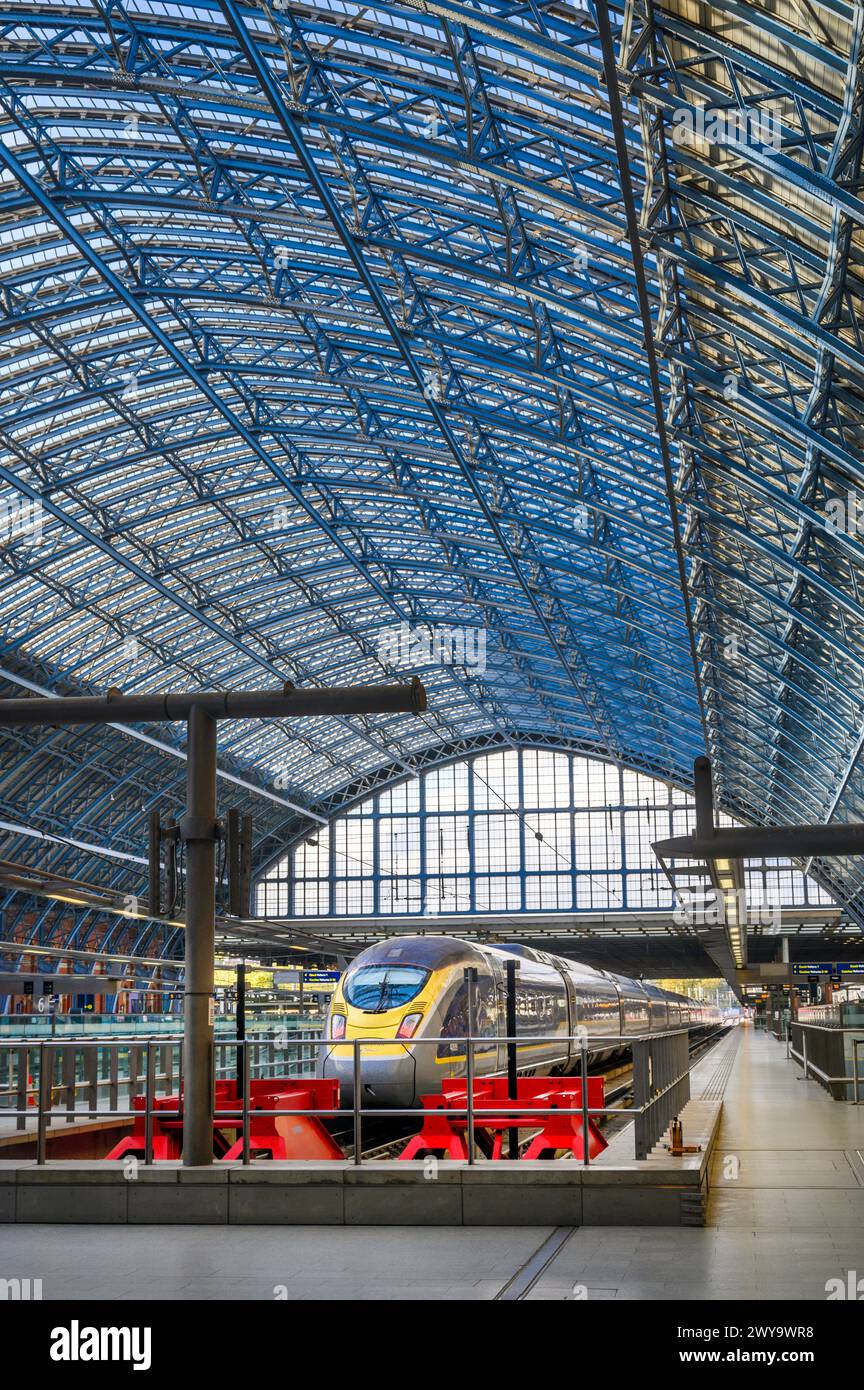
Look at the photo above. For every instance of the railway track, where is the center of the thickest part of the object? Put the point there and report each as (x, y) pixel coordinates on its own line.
(386, 1138)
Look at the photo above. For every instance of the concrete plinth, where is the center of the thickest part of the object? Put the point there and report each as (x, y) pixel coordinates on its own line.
(386, 1193)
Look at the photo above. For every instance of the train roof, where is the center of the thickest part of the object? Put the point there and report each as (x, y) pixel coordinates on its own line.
(430, 951)
(433, 952)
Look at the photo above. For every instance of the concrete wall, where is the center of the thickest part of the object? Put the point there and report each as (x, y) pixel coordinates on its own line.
(385, 1193)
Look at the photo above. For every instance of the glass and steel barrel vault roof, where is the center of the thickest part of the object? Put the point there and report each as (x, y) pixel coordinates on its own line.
(328, 327)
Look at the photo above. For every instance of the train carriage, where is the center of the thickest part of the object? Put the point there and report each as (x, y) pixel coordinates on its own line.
(401, 991)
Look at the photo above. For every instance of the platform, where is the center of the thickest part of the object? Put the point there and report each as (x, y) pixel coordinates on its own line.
(782, 1219)
(614, 1190)
(785, 1212)
(84, 1136)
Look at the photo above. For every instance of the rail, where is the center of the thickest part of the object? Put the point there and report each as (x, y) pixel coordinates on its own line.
(661, 1084)
(809, 1066)
(102, 1068)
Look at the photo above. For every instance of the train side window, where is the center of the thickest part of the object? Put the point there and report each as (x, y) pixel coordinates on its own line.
(598, 1008)
(540, 1010)
(635, 1014)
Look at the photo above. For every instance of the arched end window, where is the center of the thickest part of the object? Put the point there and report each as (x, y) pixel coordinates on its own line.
(518, 831)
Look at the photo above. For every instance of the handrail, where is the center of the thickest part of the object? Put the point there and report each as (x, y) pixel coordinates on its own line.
(845, 1080)
(581, 1043)
(300, 1039)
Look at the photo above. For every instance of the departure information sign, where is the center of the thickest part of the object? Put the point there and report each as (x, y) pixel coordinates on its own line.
(843, 967)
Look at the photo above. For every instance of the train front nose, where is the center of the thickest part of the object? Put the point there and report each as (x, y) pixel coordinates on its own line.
(388, 1081)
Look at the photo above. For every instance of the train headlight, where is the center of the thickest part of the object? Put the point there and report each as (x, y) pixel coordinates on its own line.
(337, 1026)
(409, 1025)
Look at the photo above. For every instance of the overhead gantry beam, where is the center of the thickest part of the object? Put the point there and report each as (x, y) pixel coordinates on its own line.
(722, 849)
(711, 843)
(202, 710)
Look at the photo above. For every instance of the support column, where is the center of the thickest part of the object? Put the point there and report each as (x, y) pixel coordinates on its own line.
(240, 1024)
(198, 830)
(510, 968)
(704, 797)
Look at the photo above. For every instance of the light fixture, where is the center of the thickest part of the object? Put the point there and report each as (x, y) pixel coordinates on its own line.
(727, 880)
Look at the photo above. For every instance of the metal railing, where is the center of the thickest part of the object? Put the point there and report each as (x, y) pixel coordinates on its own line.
(809, 1066)
(104, 1027)
(661, 1084)
(116, 1065)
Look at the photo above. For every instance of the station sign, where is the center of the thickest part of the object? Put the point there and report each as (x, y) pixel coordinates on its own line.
(327, 978)
(296, 977)
(813, 970)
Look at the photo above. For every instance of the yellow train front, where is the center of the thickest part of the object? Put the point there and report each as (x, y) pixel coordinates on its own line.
(399, 992)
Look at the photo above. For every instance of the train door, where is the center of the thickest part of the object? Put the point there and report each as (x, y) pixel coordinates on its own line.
(498, 980)
(486, 1020)
(486, 1024)
(573, 1021)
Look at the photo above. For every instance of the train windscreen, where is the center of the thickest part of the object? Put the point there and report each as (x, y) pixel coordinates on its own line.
(376, 988)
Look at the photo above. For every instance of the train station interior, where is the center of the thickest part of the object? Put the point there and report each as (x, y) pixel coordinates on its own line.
(432, 656)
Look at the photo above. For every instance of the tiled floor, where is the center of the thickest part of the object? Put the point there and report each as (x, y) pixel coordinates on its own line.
(786, 1211)
(786, 1214)
(258, 1262)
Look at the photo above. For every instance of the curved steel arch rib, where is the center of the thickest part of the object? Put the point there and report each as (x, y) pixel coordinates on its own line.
(320, 322)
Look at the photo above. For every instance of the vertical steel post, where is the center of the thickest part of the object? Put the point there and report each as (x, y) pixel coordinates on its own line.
(245, 1096)
(114, 1079)
(198, 830)
(134, 1067)
(149, 1102)
(358, 1124)
(23, 1085)
(470, 982)
(241, 1027)
(154, 866)
(69, 1067)
(510, 968)
(641, 1082)
(703, 788)
(91, 1070)
(46, 1068)
(584, 1068)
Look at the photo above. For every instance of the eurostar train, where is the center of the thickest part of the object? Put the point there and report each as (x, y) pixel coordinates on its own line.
(414, 987)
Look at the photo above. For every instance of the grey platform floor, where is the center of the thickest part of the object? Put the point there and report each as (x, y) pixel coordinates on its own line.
(786, 1211)
(786, 1215)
